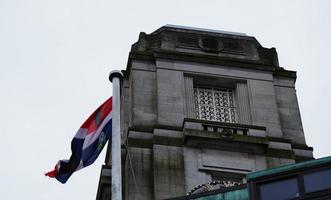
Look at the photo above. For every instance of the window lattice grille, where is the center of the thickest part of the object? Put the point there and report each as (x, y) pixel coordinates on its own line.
(215, 105)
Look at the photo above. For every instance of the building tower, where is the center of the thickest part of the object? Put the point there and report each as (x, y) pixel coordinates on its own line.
(202, 105)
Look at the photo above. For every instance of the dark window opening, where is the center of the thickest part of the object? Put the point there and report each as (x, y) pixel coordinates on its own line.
(210, 43)
(279, 190)
(317, 181)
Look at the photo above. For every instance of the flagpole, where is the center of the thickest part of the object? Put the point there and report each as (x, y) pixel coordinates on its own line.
(115, 77)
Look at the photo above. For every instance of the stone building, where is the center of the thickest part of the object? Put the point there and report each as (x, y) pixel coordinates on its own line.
(200, 106)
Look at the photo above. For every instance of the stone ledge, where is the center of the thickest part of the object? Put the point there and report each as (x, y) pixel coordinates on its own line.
(215, 135)
(166, 137)
(280, 153)
(140, 139)
(302, 146)
(245, 143)
(224, 124)
(303, 153)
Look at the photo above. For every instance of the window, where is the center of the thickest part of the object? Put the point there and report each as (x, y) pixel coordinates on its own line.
(215, 105)
(279, 190)
(316, 181)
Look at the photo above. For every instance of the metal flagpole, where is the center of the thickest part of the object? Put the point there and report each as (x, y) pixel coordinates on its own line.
(115, 77)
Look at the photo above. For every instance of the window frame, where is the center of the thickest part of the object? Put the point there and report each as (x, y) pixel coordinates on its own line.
(240, 88)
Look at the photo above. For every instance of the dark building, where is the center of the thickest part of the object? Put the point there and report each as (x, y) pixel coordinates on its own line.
(203, 107)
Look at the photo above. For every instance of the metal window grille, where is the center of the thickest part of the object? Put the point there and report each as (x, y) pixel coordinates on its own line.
(215, 105)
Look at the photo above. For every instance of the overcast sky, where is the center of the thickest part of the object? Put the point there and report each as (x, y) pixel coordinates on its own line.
(55, 57)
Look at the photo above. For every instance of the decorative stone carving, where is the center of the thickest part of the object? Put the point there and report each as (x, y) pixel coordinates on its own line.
(214, 185)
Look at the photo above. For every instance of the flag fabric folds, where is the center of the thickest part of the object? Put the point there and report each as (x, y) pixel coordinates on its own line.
(87, 143)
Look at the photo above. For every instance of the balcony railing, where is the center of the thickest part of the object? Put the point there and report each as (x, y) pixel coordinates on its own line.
(224, 129)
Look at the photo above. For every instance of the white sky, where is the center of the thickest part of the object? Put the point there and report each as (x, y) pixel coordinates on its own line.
(55, 57)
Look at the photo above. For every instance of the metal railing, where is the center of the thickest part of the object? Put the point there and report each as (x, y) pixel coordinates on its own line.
(225, 130)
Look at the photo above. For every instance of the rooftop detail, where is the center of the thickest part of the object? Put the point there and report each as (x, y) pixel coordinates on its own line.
(204, 30)
(204, 45)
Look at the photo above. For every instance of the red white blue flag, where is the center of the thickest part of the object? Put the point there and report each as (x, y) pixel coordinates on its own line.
(87, 143)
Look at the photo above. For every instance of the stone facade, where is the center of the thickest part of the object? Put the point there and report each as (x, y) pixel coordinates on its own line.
(167, 149)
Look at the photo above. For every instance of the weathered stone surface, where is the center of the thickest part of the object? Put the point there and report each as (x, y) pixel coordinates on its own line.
(276, 162)
(289, 111)
(193, 176)
(139, 174)
(143, 98)
(264, 106)
(170, 98)
(169, 174)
